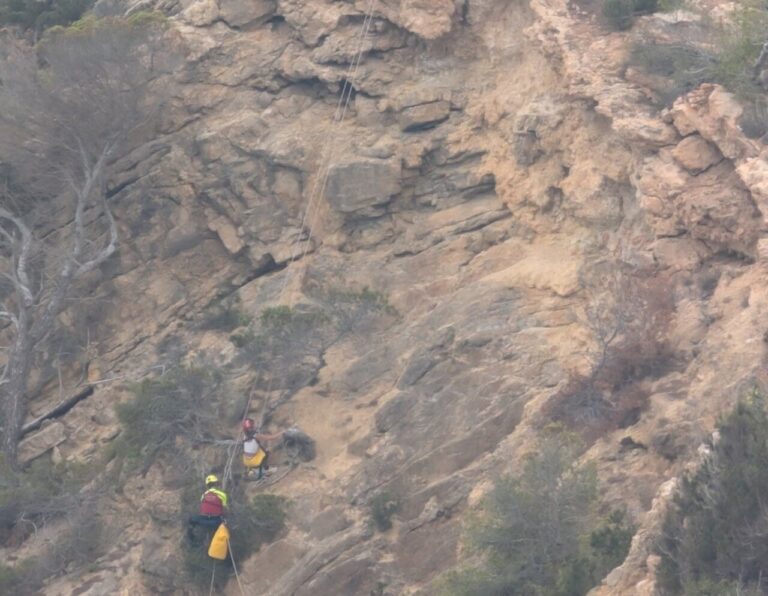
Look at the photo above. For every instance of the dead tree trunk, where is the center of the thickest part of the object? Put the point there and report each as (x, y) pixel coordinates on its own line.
(36, 308)
(68, 107)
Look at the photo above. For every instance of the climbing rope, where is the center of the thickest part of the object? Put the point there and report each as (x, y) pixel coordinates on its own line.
(310, 211)
(341, 111)
(234, 568)
(213, 575)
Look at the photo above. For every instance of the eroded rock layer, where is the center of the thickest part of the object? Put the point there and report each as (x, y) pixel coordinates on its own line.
(492, 155)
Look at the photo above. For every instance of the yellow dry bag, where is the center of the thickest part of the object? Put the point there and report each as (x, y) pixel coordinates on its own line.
(219, 542)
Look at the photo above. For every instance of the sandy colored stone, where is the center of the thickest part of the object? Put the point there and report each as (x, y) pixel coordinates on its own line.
(201, 13)
(39, 442)
(227, 234)
(695, 154)
(238, 13)
(714, 113)
(424, 115)
(546, 268)
(362, 186)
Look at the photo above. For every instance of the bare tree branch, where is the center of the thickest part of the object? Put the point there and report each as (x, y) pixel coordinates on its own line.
(67, 109)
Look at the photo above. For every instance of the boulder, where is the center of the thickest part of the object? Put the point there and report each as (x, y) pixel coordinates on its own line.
(695, 154)
(426, 115)
(715, 114)
(45, 439)
(227, 233)
(201, 13)
(238, 13)
(363, 187)
(429, 19)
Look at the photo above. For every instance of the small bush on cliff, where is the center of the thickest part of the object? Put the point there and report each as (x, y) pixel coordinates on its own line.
(539, 533)
(383, 507)
(627, 314)
(181, 403)
(724, 52)
(619, 14)
(20, 579)
(226, 318)
(717, 532)
(33, 14)
(286, 344)
(43, 492)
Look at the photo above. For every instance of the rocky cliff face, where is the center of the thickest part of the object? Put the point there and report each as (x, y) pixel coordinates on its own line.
(492, 156)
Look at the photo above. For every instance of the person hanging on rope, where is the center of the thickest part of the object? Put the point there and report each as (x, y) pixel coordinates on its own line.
(213, 506)
(255, 453)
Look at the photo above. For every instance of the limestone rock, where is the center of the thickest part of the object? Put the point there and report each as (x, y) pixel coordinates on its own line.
(227, 233)
(646, 130)
(754, 173)
(362, 187)
(43, 440)
(426, 115)
(238, 13)
(716, 208)
(695, 154)
(428, 19)
(714, 113)
(201, 13)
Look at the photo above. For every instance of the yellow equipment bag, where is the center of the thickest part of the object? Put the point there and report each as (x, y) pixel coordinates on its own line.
(219, 542)
(254, 461)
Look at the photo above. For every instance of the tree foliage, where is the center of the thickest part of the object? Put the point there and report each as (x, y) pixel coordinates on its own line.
(39, 15)
(182, 403)
(286, 344)
(730, 51)
(537, 532)
(716, 535)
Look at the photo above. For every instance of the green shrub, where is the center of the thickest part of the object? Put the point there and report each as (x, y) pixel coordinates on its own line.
(619, 14)
(23, 578)
(716, 533)
(538, 532)
(226, 319)
(670, 5)
(243, 338)
(258, 522)
(645, 6)
(738, 44)
(680, 67)
(47, 493)
(182, 403)
(32, 14)
(726, 54)
(281, 318)
(373, 299)
(10, 579)
(43, 492)
(383, 507)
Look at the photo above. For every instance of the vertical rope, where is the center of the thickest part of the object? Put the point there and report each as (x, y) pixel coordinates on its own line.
(234, 567)
(342, 107)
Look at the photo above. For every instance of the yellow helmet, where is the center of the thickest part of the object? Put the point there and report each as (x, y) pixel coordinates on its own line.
(211, 479)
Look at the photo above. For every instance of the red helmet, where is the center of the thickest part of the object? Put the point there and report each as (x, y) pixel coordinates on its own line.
(249, 425)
